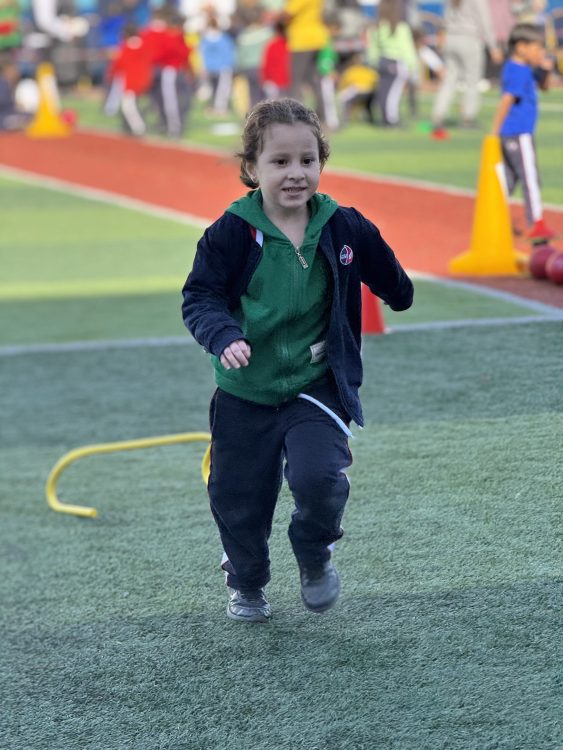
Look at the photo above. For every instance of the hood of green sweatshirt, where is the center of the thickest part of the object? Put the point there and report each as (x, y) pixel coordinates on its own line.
(250, 209)
(285, 310)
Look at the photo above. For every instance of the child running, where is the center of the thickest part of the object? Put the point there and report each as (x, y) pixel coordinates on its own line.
(274, 295)
(516, 118)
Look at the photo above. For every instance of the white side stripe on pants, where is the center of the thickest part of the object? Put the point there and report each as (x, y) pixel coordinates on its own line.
(531, 175)
(328, 411)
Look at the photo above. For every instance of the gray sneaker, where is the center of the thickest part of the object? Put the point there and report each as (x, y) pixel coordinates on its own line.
(320, 586)
(248, 605)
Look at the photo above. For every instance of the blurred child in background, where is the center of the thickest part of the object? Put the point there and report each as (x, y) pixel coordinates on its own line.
(307, 35)
(175, 75)
(357, 88)
(516, 118)
(468, 29)
(275, 70)
(218, 52)
(252, 36)
(130, 75)
(10, 27)
(391, 50)
(171, 90)
(11, 117)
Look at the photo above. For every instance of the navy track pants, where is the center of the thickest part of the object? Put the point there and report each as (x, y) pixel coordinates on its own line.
(249, 446)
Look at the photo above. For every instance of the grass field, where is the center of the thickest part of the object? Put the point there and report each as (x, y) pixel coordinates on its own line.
(114, 633)
(406, 153)
(106, 272)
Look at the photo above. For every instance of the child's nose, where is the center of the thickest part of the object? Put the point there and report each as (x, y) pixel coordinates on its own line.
(296, 170)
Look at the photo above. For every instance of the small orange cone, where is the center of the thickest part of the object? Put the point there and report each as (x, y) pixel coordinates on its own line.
(492, 251)
(47, 122)
(372, 317)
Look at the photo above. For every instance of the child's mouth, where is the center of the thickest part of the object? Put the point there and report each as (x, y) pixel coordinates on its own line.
(293, 190)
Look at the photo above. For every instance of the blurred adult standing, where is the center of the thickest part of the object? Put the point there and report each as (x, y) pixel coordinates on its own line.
(468, 30)
(59, 21)
(503, 21)
(307, 35)
(61, 38)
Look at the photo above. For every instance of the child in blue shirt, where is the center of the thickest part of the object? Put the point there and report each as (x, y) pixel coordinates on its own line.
(516, 117)
(218, 53)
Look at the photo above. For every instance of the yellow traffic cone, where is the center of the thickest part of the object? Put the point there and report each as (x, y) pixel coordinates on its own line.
(492, 250)
(47, 123)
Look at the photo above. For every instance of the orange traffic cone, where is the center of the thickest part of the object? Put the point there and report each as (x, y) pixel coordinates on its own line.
(372, 317)
(492, 250)
(47, 122)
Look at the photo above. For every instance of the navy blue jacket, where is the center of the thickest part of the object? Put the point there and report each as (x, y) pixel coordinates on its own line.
(228, 254)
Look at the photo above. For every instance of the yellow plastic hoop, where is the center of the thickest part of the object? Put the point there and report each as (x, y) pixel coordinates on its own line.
(123, 445)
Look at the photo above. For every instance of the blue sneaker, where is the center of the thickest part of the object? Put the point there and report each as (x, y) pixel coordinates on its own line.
(248, 605)
(320, 586)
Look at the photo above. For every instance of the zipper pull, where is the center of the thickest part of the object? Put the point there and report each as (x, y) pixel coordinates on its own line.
(301, 258)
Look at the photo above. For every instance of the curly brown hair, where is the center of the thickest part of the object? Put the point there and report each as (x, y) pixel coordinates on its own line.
(284, 111)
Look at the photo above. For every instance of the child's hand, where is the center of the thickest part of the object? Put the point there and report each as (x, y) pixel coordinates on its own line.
(547, 64)
(496, 55)
(236, 355)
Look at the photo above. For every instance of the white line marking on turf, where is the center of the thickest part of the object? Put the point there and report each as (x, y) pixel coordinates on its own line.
(94, 346)
(164, 143)
(104, 196)
(440, 325)
(540, 307)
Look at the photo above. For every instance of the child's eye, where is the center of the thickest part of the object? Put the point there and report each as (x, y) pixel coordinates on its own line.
(280, 162)
(309, 160)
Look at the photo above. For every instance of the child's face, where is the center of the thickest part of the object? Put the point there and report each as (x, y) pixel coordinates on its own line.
(288, 168)
(532, 53)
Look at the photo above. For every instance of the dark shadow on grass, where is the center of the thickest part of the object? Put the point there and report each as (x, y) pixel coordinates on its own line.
(468, 669)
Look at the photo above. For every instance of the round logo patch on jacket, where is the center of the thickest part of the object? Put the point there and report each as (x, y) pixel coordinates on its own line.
(346, 255)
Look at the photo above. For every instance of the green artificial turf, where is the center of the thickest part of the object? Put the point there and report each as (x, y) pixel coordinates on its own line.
(76, 269)
(114, 632)
(408, 152)
(90, 247)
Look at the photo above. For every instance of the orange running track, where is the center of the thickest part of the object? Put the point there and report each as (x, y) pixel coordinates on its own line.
(426, 227)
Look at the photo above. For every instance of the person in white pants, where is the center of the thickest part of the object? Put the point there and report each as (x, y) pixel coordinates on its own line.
(468, 28)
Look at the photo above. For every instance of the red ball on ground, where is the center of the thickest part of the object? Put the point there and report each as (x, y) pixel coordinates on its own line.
(539, 259)
(554, 268)
(70, 116)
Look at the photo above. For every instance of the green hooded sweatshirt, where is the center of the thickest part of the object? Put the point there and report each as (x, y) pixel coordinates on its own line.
(284, 313)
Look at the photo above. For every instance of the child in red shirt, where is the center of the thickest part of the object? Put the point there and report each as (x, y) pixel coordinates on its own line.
(275, 74)
(172, 86)
(131, 76)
